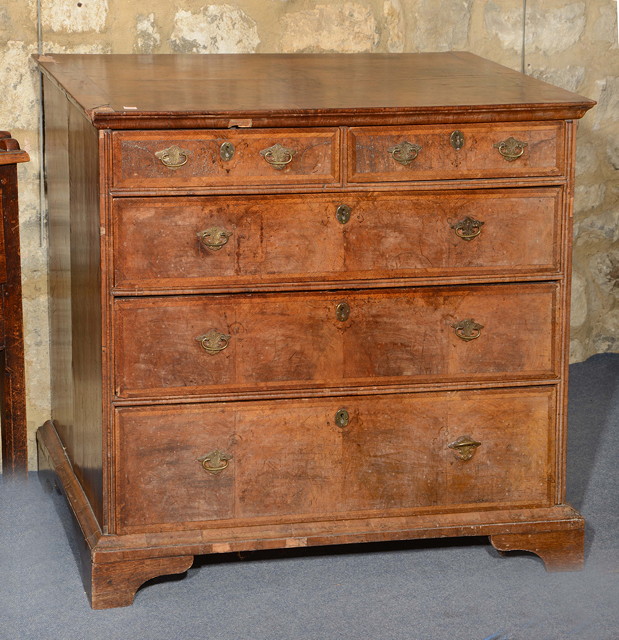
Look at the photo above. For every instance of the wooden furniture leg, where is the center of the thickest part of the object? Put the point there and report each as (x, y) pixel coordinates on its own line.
(114, 584)
(108, 584)
(560, 550)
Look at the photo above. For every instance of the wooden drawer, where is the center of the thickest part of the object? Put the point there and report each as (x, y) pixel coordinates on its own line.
(182, 159)
(288, 460)
(397, 154)
(219, 241)
(182, 346)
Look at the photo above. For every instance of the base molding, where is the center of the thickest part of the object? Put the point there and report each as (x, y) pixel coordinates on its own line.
(113, 567)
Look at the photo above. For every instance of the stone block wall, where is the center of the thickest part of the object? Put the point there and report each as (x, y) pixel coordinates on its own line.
(570, 43)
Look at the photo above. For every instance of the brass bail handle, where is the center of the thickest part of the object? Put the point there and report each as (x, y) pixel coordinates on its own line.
(464, 447)
(214, 238)
(468, 329)
(215, 461)
(404, 152)
(511, 149)
(213, 341)
(173, 157)
(278, 156)
(468, 228)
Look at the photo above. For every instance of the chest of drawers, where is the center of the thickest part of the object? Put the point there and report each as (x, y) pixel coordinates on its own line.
(306, 300)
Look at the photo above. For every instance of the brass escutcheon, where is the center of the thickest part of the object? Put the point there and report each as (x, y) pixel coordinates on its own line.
(511, 149)
(214, 238)
(468, 228)
(173, 157)
(215, 461)
(342, 418)
(456, 140)
(278, 156)
(343, 213)
(464, 447)
(404, 152)
(226, 151)
(213, 341)
(468, 329)
(342, 311)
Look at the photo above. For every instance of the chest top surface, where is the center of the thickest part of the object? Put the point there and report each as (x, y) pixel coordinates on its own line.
(136, 91)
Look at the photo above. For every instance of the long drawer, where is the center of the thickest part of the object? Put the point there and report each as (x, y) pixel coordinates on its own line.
(183, 159)
(315, 458)
(469, 151)
(195, 345)
(181, 243)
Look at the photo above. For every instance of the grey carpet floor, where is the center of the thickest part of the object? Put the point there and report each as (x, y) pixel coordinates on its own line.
(434, 590)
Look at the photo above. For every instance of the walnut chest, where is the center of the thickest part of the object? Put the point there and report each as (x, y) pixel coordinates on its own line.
(306, 300)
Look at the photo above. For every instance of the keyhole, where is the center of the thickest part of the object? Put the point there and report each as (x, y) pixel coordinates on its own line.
(342, 311)
(342, 418)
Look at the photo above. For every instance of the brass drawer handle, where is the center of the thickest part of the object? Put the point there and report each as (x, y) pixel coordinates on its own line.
(468, 228)
(468, 329)
(213, 342)
(215, 461)
(214, 238)
(342, 213)
(173, 157)
(511, 149)
(404, 152)
(278, 156)
(464, 447)
(342, 418)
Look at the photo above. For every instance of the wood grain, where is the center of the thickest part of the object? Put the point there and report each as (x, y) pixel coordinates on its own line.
(316, 89)
(142, 409)
(125, 554)
(12, 369)
(370, 160)
(289, 458)
(285, 239)
(59, 257)
(314, 158)
(75, 284)
(114, 584)
(560, 550)
(296, 340)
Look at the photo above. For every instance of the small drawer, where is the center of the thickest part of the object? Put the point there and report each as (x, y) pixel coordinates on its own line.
(190, 346)
(462, 152)
(183, 159)
(183, 243)
(294, 460)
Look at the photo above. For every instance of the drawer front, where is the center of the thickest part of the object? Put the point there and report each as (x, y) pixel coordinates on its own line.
(182, 159)
(179, 346)
(386, 154)
(183, 243)
(299, 459)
